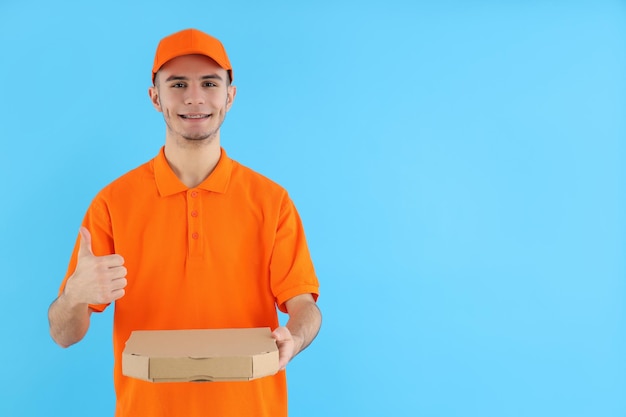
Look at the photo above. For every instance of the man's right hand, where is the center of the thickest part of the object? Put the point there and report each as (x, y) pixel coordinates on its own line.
(97, 279)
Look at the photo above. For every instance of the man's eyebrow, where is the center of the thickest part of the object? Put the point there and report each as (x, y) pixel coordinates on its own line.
(183, 78)
(212, 77)
(176, 78)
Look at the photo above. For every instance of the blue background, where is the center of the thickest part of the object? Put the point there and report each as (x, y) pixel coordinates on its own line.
(458, 165)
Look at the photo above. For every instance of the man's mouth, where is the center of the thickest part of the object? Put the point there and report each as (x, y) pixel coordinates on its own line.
(195, 116)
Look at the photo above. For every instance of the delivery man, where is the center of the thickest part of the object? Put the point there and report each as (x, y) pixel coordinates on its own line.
(192, 240)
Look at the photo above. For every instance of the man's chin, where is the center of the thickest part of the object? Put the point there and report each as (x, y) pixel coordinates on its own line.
(199, 137)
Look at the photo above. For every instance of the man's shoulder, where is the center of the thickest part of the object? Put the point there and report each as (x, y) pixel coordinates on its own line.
(139, 177)
(246, 176)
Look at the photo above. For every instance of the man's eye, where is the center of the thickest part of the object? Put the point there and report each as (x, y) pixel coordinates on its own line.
(178, 85)
(209, 84)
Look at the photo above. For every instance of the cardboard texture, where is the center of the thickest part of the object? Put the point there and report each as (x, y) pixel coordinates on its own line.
(200, 355)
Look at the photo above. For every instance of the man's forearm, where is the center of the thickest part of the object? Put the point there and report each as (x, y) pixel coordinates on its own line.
(68, 322)
(305, 320)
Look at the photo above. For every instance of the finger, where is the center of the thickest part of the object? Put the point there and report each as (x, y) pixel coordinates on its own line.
(84, 248)
(118, 284)
(117, 294)
(112, 274)
(112, 261)
(118, 272)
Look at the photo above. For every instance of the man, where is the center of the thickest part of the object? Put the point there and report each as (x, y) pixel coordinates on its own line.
(192, 240)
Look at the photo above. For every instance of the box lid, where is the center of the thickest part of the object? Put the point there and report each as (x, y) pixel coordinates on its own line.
(200, 355)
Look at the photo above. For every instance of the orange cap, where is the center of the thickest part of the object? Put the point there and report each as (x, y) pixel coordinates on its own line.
(190, 42)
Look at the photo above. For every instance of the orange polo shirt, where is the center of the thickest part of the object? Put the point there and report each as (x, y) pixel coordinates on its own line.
(225, 254)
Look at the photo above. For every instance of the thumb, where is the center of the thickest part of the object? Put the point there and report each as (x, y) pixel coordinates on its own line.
(281, 333)
(85, 243)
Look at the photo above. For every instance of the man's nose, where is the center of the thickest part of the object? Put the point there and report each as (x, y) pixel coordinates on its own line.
(194, 95)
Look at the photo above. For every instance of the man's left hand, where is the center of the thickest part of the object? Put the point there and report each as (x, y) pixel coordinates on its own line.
(288, 345)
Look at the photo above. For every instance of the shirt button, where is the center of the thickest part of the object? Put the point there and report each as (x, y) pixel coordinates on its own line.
(195, 235)
(194, 213)
(194, 194)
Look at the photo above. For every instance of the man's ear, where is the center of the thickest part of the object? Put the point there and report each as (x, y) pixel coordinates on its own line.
(230, 96)
(153, 92)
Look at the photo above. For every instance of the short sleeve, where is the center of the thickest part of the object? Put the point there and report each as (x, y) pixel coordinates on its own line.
(291, 268)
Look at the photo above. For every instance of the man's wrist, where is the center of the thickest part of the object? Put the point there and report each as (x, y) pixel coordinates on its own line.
(71, 302)
(298, 342)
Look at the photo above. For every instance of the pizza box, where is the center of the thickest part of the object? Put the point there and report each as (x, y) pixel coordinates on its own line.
(200, 355)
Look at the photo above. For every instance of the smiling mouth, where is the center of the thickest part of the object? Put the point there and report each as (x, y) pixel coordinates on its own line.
(195, 116)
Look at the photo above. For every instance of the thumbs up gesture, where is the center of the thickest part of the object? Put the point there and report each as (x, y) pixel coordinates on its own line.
(96, 279)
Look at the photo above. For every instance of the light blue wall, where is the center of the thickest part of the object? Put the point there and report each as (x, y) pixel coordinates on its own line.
(459, 166)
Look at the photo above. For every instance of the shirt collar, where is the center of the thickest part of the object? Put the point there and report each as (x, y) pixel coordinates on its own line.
(168, 183)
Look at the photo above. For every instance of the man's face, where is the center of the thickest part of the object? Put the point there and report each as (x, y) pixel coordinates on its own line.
(193, 93)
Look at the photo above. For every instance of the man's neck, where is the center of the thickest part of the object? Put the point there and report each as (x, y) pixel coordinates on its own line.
(193, 162)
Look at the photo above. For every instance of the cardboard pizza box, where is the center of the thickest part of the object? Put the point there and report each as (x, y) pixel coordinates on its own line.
(200, 355)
